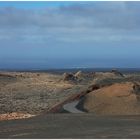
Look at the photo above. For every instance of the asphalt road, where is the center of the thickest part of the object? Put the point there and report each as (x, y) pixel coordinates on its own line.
(69, 125)
(71, 107)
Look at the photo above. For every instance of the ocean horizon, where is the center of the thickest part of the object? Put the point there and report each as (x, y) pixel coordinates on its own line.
(62, 70)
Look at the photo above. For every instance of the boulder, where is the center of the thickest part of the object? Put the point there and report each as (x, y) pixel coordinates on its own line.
(93, 87)
(83, 76)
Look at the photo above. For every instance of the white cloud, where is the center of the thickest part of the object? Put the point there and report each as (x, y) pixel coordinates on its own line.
(98, 21)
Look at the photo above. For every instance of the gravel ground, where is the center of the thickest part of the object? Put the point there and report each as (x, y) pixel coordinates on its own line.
(72, 126)
(33, 93)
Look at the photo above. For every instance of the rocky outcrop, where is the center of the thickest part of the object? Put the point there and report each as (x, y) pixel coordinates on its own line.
(84, 76)
(92, 87)
(4, 75)
(68, 77)
(77, 77)
(136, 90)
(116, 72)
(78, 74)
(81, 77)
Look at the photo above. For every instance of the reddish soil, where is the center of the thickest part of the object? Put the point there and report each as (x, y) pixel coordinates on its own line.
(14, 116)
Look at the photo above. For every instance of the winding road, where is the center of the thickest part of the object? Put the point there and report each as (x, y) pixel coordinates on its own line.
(71, 107)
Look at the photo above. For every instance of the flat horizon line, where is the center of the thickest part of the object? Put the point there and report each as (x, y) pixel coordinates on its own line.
(73, 68)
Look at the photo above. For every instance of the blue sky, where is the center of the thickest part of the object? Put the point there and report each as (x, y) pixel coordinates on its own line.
(34, 5)
(69, 34)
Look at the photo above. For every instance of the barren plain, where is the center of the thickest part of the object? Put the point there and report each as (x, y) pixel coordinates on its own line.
(69, 105)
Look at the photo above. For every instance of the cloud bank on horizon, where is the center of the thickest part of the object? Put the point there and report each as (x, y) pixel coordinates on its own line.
(69, 34)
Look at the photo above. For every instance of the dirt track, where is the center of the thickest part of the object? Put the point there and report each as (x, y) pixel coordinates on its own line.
(72, 126)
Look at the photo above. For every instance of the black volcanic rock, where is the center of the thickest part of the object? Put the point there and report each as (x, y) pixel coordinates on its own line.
(68, 77)
(116, 72)
(136, 90)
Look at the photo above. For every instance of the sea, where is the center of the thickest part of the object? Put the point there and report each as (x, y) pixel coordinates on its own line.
(73, 70)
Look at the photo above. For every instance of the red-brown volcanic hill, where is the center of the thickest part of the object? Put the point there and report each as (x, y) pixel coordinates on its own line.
(117, 99)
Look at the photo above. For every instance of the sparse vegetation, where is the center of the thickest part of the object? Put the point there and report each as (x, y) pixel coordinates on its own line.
(38, 92)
